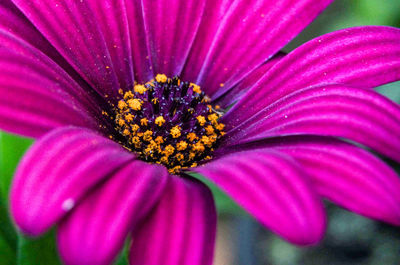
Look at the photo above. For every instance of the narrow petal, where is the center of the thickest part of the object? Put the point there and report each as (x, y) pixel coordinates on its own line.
(37, 95)
(57, 171)
(360, 115)
(171, 27)
(181, 230)
(347, 175)
(111, 16)
(15, 23)
(364, 56)
(236, 37)
(274, 189)
(96, 230)
(70, 27)
(142, 65)
(234, 94)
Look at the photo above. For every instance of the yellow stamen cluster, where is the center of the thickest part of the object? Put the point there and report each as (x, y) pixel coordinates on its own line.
(149, 131)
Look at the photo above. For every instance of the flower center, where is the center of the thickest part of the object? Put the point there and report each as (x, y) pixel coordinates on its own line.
(169, 122)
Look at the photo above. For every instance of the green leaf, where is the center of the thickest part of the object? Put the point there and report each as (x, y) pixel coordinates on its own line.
(224, 204)
(8, 236)
(38, 251)
(123, 256)
(11, 150)
(7, 254)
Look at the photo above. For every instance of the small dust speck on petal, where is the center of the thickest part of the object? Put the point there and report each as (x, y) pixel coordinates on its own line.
(68, 204)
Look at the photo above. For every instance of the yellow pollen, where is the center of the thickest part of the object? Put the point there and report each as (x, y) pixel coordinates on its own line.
(175, 131)
(147, 136)
(213, 138)
(169, 150)
(128, 95)
(122, 104)
(174, 170)
(126, 132)
(143, 122)
(179, 156)
(164, 159)
(191, 136)
(209, 130)
(121, 122)
(135, 104)
(192, 155)
(201, 120)
(206, 140)
(159, 139)
(136, 142)
(198, 147)
(220, 126)
(159, 121)
(161, 78)
(139, 89)
(196, 88)
(213, 118)
(135, 128)
(129, 117)
(140, 117)
(182, 145)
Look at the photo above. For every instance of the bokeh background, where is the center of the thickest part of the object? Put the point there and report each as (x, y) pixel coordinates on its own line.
(350, 239)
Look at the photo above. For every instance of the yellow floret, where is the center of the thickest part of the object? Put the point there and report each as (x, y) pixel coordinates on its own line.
(175, 131)
(182, 145)
(139, 89)
(135, 104)
(159, 121)
(201, 120)
(161, 78)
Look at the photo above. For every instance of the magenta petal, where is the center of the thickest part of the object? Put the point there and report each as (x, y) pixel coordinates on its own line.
(15, 23)
(235, 93)
(360, 115)
(69, 25)
(235, 37)
(57, 171)
(95, 231)
(37, 95)
(111, 16)
(348, 176)
(181, 230)
(141, 58)
(364, 56)
(274, 189)
(171, 27)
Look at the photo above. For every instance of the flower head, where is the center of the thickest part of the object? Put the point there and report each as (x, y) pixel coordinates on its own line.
(127, 98)
(172, 123)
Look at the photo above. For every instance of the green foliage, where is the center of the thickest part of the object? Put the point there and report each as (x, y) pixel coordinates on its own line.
(15, 248)
(11, 150)
(38, 251)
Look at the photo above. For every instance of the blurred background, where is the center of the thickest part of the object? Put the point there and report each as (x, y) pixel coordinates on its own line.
(350, 239)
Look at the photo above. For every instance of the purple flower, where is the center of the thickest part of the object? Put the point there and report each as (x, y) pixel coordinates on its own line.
(74, 74)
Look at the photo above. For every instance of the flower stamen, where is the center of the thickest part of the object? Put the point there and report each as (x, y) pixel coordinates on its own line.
(169, 122)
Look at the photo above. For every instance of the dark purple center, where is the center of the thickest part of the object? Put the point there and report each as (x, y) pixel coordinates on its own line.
(169, 122)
